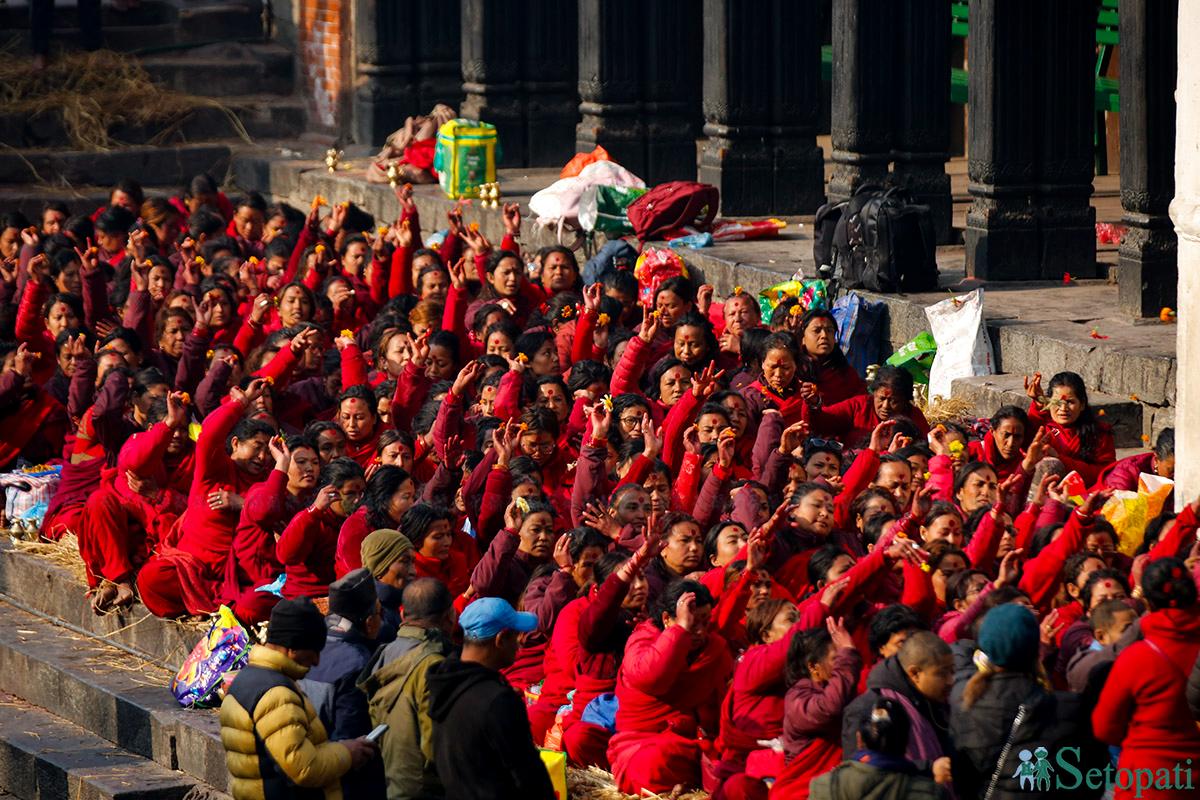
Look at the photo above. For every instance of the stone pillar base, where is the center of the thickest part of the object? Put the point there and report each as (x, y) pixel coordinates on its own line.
(1001, 241)
(1068, 239)
(1147, 272)
(852, 170)
(744, 172)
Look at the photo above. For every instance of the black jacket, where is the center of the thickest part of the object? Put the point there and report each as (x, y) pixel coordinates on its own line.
(482, 743)
(888, 674)
(1056, 721)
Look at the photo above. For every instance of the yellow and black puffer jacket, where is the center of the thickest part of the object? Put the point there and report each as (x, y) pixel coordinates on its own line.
(275, 745)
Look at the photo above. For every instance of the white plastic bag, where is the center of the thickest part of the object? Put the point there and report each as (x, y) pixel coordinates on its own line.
(558, 204)
(963, 347)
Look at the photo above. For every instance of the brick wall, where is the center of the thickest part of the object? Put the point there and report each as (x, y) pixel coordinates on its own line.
(325, 45)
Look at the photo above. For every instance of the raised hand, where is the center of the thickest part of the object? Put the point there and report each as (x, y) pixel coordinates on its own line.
(1050, 627)
(455, 219)
(30, 236)
(1039, 448)
(512, 219)
(601, 416)
(597, 516)
(938, 442)
(685, 611)
(1095, 502)
(650, 325)
(204, 313)
(258, 311)
(504, 441)
(704, 297)
(464, 382)
(304, 340)
(592, 294)
(36, 268)
(458, 274)
(838, 633)
(562, 553)
(704, 385)
(405, 195)
(280, 452)
(1043, 490)
(325, 498)
(177, 414)
(1010, 569)
(404, 234)
(26, 358)
(1033, 387)
(652, 440)
(922, 501)
(726, 448)
(758, 550)
(881, 437)
(793, 436)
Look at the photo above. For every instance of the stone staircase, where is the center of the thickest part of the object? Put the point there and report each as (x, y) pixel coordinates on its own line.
(212, 49)
(85, 706)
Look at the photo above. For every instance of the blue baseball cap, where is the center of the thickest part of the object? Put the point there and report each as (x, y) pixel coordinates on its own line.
(488, 616)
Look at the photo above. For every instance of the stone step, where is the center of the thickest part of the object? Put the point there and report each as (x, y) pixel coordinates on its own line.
(162, 25)
(44, 757)
(15, 16)
(987, 393)
(225, 70)
(110, 693)
(169, 165)
(54, 591)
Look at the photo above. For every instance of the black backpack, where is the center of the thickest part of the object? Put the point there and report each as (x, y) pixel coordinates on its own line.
(878, 240)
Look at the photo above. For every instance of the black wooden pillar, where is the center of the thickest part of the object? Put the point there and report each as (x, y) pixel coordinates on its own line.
(491, 71)
(639, 84)
(550, 68)
(864, 66)
(1148, 269)
(1065, 137)
(1002, 228)
(610, 82)
(406, 59)
(923, 108)
(1030, 130)
(385, 90)
(760, 106)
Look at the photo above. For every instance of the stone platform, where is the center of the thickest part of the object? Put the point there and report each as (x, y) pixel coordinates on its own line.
(1035, 327)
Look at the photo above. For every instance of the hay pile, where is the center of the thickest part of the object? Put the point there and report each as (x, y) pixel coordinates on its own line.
(945, 409)
(63, 553)
(594, 783)
(96, 93)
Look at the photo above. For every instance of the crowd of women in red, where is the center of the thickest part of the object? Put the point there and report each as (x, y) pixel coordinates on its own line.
(745, 559)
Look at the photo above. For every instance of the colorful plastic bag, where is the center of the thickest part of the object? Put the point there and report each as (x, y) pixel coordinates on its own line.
(27, 494)
(581, 160)
(1128, 513)
(556, 766)
(811, 292)
(465, 157)
(654, 266)
(916, 357)
(860, 322)
(225, 649)
(604, 208)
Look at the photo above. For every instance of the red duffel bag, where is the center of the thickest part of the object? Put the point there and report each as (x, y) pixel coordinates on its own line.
(666, 208)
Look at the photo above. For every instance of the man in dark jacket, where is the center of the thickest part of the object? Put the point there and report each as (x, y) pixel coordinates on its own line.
(482, 742)
(351, 625)
(388, 555)
(397, 688)
(920, 676)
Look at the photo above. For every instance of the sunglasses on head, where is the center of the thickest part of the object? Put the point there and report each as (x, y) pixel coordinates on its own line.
(818, 443)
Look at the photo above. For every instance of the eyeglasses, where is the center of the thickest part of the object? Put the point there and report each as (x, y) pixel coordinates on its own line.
(831, 444)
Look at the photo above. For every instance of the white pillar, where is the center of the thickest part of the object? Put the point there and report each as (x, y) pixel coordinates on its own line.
(1185, 213)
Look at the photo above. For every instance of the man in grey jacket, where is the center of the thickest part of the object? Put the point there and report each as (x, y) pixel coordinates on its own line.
(395, 685)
